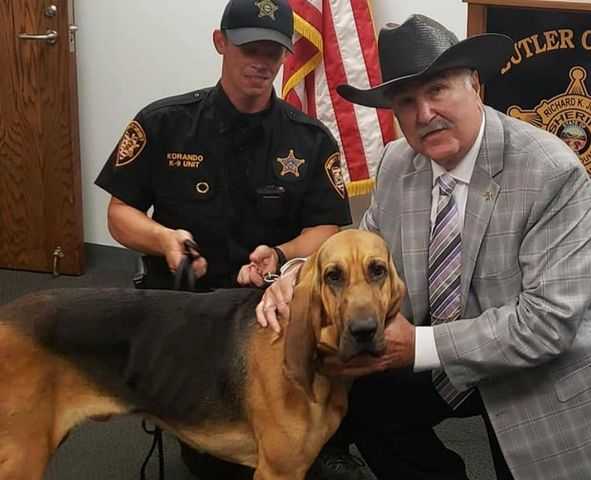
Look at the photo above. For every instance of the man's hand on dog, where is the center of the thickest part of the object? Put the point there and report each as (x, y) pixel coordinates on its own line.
(399, 335)
(399, 354)
(275, 301)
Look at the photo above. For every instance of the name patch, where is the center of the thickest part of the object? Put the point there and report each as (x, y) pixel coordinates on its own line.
(184, 160)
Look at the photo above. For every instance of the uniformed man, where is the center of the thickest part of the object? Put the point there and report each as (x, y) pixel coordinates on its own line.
(231, 166)
(252, 180)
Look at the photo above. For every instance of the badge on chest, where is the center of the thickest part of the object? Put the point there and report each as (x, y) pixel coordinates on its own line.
(290, 168)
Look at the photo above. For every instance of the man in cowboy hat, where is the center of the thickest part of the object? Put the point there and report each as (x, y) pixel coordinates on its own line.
(488, 220)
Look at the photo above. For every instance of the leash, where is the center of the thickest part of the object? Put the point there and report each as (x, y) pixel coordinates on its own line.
(184, 272)
(157, 444)
(185, 269)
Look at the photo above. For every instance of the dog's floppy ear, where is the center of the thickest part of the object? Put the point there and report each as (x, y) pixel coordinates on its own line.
(397, 290)
(303, 328)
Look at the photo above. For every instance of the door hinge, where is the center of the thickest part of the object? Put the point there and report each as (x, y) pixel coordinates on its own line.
(72, 29)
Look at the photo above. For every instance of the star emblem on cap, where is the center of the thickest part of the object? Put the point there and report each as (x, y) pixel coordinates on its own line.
(267, 8)
(291, 164)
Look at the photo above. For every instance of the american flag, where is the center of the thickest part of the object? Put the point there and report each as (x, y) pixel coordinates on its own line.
(335, 43)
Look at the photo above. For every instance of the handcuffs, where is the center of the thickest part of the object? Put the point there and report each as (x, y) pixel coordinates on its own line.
(271, 277)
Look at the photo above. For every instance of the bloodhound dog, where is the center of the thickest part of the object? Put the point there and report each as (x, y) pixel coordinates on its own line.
(64, 356)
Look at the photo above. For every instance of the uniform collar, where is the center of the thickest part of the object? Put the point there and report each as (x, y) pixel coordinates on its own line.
(229, 118)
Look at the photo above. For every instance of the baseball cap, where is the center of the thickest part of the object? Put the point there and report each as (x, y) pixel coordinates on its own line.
(247, 21)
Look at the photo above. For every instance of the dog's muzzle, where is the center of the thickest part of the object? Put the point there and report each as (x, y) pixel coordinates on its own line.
(362, 335)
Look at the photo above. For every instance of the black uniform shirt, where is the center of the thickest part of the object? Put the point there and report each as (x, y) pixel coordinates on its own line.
(233, 180)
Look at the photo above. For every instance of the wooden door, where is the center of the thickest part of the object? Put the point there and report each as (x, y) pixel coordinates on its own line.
(40, 189)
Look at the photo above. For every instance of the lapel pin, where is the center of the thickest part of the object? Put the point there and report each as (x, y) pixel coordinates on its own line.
(488, 196)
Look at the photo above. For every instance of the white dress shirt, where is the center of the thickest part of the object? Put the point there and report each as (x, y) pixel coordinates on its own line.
(426, 356)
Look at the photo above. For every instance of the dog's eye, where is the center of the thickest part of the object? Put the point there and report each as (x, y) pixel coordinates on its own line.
(377, 270)
(333, 276)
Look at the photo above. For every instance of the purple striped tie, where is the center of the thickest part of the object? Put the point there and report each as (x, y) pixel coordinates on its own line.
(445, 275)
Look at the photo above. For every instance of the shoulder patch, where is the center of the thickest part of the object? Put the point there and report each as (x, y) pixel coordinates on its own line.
(131, 145)
(332, 166)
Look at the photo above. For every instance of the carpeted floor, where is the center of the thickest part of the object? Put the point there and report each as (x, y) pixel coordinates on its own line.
(115, 450)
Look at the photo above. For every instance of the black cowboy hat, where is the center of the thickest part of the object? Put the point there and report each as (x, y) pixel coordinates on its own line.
(422, 47)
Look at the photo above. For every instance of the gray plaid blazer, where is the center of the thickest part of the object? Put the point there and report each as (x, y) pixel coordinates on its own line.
(524, 339)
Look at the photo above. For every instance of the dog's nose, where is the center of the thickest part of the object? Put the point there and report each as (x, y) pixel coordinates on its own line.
(363, 330)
